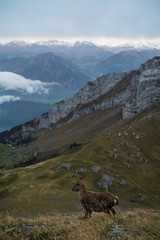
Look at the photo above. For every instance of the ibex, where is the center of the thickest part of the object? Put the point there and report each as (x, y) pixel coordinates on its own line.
(95, 201)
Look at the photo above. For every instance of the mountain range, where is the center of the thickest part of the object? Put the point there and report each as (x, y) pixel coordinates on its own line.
(61, 77)
(72, 49)
(78, 49)
(84, 65)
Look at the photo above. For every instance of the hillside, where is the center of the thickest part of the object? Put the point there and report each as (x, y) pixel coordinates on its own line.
(132, 91)
(110, 130)
(112, 97)
(127, 151)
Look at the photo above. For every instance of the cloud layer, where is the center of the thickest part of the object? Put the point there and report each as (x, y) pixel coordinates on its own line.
(12, 81)
(8, 98)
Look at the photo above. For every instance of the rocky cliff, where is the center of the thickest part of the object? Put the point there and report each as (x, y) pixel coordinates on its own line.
(134, 91)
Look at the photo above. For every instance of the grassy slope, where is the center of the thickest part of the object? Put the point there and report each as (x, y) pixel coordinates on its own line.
(138, 224)
(69, 138)
(5, 156)
(44, 188)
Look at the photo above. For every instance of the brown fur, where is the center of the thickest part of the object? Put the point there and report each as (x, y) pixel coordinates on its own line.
(95, 201)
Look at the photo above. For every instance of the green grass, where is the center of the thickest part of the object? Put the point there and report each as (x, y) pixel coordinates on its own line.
(5, 156)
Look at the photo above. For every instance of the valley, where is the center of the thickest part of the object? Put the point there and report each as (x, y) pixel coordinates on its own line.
(108, 131)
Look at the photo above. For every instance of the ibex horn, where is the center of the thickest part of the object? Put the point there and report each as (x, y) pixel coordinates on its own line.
(81, 178)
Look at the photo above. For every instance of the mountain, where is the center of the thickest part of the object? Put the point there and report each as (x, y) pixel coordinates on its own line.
(108, 130)
(81, 49)
(131, 92)
(46, 67)
(65, 49)
(125, 61)
(60, 79)
(120, 62)
(20, 49)
(88, 64)
(120, 45)
(19, 112)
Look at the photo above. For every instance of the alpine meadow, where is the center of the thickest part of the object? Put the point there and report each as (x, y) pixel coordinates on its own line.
(80, 120)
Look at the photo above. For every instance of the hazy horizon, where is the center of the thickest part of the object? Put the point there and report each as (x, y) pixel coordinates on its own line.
(90, 20)
(110, 42)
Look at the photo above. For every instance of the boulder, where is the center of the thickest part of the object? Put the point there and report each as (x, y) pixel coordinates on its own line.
(116, 233)
(141, 197)
(125, 133)
(122, 182)
(105, 181)
(65, 165)
(137, 137)
(71, 176)
(115, 150)
(96, 169)
(81, 170)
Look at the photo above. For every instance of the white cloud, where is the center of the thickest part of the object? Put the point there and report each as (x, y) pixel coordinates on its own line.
(12, 81)
(8, 98)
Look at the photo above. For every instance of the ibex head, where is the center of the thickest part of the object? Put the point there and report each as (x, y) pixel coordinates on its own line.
(77, 186)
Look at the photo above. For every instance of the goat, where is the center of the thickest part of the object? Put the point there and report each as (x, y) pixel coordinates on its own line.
(95, 201)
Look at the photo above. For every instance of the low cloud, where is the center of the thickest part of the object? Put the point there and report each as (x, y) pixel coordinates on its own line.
(8, 98)
(12, 81)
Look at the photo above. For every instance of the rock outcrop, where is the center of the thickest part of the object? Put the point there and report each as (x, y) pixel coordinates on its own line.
(134, 91)
(105, 181)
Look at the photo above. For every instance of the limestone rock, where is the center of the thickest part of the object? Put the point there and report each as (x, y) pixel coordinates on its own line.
(137, 137)
(122, 182)
(116, 232)
(96, 169)
(141, 197)
(72, 175)
(65, 165)
(81, 170)
(105, 181)
(115, 150)
(35, 154)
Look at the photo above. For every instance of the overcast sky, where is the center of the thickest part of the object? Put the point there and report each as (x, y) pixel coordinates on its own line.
(22, 19)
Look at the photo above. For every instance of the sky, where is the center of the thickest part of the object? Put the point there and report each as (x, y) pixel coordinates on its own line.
(79, 19)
